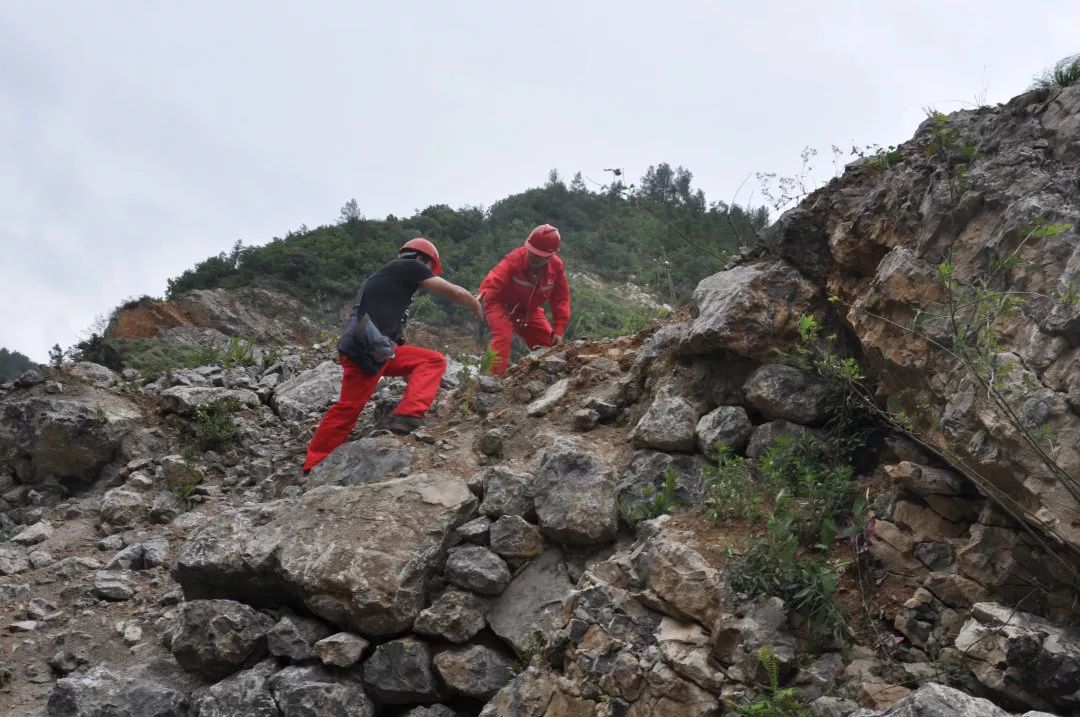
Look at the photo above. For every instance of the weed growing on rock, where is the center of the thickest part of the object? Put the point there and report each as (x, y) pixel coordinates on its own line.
(656, 502)
(727, 490)
(1064, 73)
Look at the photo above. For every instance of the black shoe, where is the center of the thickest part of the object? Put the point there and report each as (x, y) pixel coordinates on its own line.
(404, 425)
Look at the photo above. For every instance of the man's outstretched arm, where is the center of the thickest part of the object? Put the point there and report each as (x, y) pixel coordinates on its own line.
(453, 293)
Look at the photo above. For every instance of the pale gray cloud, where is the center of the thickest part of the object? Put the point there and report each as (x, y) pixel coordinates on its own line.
(136, 139)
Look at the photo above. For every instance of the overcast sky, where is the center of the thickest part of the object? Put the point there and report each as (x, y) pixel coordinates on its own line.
(137, 138)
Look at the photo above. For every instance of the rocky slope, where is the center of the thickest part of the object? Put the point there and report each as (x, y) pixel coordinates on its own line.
(505, 560)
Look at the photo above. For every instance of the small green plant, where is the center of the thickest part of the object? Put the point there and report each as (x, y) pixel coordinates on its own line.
(56, 356)
(212, 426)
(655, 502)
(271, 357)
(777, 701)
(488, 360)
(727, 491)
(878, 156)
(1065, 72)
(534, 645)
(184, 492)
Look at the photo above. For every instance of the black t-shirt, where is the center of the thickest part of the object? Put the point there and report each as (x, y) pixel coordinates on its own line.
(387, 293)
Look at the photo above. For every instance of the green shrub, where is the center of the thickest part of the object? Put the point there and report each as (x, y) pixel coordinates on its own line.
(774, 563)
(727, 491)
(212, 426)
(820, 491)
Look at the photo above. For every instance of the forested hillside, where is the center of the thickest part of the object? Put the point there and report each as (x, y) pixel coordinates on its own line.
(661, 235)
(13, 364)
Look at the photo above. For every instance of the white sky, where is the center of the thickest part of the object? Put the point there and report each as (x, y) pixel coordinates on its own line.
(139, 137)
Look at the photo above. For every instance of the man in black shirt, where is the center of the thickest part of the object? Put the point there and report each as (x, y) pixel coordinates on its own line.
(384, 298)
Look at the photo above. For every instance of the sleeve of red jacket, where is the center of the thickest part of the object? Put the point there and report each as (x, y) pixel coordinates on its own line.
(560, 304)
(495, 282)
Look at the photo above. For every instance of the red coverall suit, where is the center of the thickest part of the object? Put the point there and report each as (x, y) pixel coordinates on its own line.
(514, 303)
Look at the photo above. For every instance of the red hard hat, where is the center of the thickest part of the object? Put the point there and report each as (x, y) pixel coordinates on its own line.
(422, 245)
(543, 241)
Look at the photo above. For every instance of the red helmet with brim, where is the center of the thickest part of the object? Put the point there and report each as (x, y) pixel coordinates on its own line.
(543, 241)
(422, 245)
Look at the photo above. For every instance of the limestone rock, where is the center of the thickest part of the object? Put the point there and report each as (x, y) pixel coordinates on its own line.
(39, 532)
(575, 496)
(399, 673)
(684, 585)
(648, 471)
(749, 310)
(551, 397)
(475, 671)
(1022, 657)
(514, 537)
(188, 399)
(342, 649)
(314, 691)
(934, 700)
(295, 637)
(782, 392)
(766, 434)
(113, 585)
(363, 461)
(455, 616)
(358, 557)
(94, 374)
(63, 437)
(478, 569)
(533, 601)
(102, 692)
(507, 492)
(668, 424)
(728, 425)
(122, 508)
(245, 693)
(309, 392)
(215, 638)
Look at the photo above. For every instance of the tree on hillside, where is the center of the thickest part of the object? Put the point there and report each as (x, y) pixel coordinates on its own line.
(350, 212)
(13, 364)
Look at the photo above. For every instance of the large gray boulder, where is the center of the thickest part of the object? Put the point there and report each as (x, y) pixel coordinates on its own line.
(399, 673)
(728, 425)
(512, 537)
(1022, 657)
(215, 638)
(309, 392)
(363, 461)
(94, 374)
(475, 670)
(533, 601)
(785, 392)
(245, 693)
(575, 495)
(934, 700)
(101, 692)
(358, 557)
(648, 471)
(314, 691)
(188, 399)
(749, 310)
(67, 438)
(668, 424)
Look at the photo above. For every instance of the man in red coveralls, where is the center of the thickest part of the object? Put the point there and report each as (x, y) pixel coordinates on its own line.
(515, 291)
(385, 298)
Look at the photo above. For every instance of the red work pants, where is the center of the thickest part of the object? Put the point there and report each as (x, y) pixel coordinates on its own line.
(534, 328)
(424, 368)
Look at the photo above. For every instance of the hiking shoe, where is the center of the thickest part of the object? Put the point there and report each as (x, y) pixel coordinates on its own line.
(404, 425)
